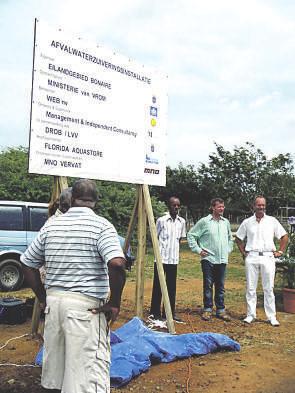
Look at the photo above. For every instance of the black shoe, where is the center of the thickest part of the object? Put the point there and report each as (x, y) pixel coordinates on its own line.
(156, 317)
(224, 316)
(206, 315)
(177, 319)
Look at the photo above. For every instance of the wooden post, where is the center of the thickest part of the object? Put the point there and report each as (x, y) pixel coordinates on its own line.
(131, 222)
(143, 208)
(153, 230)
(35, 317)
(59, 183)
(141, 248)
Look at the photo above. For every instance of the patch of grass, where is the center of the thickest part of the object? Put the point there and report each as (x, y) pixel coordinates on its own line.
(189, 268)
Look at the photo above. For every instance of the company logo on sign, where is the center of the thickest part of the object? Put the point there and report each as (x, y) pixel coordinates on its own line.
(153, 111)
(149, 157)
(150, 160)
(151, 171)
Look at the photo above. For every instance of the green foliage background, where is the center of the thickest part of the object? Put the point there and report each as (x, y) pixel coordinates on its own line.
(16, 183)
(236, 176)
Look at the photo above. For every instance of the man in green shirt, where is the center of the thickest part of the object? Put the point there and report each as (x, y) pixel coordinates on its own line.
(211, 238)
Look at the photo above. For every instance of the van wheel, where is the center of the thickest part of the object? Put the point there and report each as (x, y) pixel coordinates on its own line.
(11, 275)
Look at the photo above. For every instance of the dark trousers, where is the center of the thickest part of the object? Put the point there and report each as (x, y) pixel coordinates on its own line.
(170, 275)
(213, 274)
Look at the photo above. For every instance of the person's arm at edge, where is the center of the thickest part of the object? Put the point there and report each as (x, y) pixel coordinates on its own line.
(158, 226)
(192, 238)
(32, 277)
(32, 259)
(117, 278)
(283, 244)
(183, 231)
(241, 245)
(230, 238)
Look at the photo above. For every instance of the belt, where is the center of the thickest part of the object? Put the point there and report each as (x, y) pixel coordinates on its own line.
(260, 253)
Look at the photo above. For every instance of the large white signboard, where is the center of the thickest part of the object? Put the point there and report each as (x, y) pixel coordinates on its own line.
(95, 114)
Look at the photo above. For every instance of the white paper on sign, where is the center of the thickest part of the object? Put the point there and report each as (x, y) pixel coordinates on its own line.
(95, 114)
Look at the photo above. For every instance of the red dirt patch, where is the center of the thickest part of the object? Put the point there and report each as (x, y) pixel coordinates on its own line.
(264, 365)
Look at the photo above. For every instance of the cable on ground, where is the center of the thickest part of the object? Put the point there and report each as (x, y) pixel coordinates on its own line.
(13, 338)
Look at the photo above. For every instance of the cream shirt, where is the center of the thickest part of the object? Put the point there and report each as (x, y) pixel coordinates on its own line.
(169, 234)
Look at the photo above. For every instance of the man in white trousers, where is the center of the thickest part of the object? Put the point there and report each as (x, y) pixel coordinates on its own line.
(255, 239)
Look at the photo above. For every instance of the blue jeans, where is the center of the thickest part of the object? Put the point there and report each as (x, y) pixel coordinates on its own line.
(213, 274)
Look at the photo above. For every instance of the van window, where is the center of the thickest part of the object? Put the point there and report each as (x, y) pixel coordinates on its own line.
(38, 217)
(11, 218)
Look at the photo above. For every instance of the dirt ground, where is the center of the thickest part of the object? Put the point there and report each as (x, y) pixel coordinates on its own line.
(265, 363)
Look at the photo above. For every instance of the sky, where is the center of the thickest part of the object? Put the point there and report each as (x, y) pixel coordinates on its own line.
(230, 66)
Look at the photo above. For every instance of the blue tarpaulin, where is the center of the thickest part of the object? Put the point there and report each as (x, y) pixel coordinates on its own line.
(135, 348)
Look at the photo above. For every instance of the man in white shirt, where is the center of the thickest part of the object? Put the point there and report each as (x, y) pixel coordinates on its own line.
(255, 239)
(170, 229)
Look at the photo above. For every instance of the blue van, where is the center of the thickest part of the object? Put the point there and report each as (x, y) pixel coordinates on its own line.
(19, 224)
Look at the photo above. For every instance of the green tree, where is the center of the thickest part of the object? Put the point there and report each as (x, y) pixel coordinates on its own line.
(183, 182)
(117, 201)
(278, 185)
(236, 176)
(15, 181)
(239, 175)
